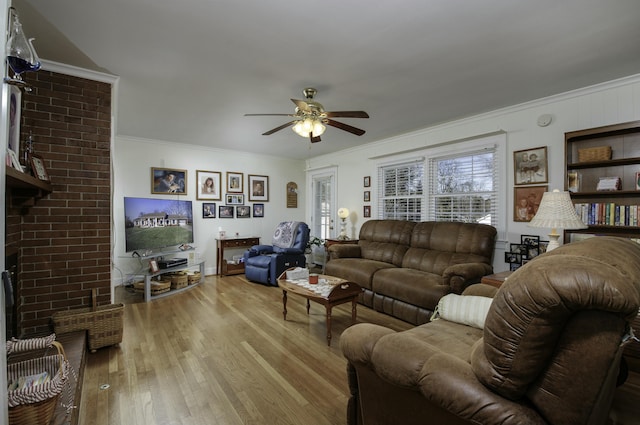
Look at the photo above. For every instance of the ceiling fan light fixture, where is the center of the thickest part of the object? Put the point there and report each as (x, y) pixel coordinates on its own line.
(308, 126)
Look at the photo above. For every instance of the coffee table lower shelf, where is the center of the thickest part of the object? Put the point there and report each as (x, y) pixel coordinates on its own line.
(342, 292)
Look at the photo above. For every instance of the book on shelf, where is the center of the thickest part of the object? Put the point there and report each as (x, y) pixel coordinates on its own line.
(608, 214)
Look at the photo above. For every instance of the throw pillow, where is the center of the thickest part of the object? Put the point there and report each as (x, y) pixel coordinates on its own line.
(468, 310)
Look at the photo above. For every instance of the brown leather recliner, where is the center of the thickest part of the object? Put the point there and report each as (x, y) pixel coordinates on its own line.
(549, 352)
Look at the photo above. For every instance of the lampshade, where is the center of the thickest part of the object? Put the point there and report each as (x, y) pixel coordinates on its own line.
(343, 213)
(556, 211)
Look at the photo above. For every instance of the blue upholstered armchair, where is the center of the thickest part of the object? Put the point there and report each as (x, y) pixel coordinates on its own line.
(264, 263)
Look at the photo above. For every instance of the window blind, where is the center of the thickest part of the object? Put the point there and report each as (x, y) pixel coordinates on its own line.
(401, 191)
(464, 187)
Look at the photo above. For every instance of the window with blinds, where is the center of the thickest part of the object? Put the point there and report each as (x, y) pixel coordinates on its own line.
(464, 187)
(401, 193)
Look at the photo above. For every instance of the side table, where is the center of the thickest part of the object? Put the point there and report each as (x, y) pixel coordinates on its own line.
(496, 279)
(222, 267)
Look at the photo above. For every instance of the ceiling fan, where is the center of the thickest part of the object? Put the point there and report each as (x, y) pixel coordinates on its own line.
(310, 118)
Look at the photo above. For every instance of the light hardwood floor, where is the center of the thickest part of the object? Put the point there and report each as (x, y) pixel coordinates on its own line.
(221, 353)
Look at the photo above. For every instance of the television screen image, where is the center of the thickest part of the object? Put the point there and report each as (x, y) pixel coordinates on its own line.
(152, 224)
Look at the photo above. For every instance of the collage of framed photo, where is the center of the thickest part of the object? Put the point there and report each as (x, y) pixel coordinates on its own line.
(530, 246)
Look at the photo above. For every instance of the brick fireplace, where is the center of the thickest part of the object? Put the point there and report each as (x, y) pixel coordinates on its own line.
(62, 241)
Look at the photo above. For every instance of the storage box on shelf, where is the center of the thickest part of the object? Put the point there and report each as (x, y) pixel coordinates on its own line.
(595, 157)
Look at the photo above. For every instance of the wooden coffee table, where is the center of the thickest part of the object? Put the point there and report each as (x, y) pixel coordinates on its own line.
(329, 291)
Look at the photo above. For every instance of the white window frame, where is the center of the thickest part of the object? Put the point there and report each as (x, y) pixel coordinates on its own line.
(497, 141)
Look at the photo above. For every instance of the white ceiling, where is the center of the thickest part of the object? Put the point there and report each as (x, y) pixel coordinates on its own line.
(189, 70)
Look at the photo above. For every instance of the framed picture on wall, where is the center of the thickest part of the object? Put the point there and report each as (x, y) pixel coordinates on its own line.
(225, 211)
(258, 188)
(367, 181)
(258, 210)
(367, 195)
(526, 200)
(235, 182)
(168, 181)
(208, 185)
(367, 211)
(243, 211)
(530, 166)
(208, 210)
(235, 199)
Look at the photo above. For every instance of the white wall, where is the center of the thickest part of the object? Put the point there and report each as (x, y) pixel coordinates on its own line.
(132, 163)
(610, 103)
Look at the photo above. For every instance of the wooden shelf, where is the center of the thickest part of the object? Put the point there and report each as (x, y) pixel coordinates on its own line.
(23, 190)
(624, 140)
(20, 180)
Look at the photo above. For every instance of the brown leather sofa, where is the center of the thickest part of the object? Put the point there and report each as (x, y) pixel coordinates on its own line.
(405, 267)
(549, 352)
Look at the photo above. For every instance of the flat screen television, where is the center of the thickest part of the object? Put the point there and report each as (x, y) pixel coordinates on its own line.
(154, 224)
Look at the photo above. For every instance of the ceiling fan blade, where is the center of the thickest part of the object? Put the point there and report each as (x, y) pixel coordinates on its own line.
(347, 114)
(345, 127)
(315, 139)
(301, 104)
(269, 115)
(267, 133)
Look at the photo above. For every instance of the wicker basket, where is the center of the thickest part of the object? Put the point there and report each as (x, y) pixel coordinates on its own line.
(179, 280)
(600, 153)
(193, 277)
(36, 405)
(157, 287)
(104, 323)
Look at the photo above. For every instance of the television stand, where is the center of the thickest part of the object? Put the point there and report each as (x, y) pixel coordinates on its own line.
(172, 266)
(148, 276)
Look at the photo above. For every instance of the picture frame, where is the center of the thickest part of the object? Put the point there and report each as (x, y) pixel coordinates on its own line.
(226, 211)
(542, 247)
(153, 266)
(526, 200)
(15, 161)
(243, 211)
(573, 181)
(208, 185)
(258, 188)
(235, 182)
(170, 181)
(637, 180)
(38, 167)
(533, 245)
(512, 257)
(367, 181)
(366, 212)
(519, 248)
(208, 210)
(15, 111)
(258, 210)
(367, 196)
(530, 166)
(234, 199)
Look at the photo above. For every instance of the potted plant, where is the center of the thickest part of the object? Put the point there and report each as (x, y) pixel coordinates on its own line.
(312, 245)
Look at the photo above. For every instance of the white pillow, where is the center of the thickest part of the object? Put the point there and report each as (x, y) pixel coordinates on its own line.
(468, 310)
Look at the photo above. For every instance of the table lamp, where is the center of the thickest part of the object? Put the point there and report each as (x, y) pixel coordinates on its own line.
(556, 211)
(343, 213)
